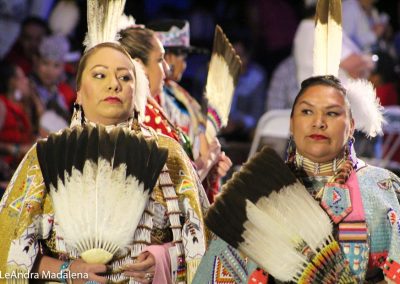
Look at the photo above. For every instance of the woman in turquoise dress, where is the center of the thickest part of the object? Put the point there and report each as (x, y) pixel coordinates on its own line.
(321, 155)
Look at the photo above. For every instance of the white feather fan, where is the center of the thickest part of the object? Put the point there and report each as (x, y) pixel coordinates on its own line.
(268, 215)
(222, 77)
(99, 183)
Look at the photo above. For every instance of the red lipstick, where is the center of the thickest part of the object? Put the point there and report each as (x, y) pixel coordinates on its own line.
(318, 137)
(113, 100)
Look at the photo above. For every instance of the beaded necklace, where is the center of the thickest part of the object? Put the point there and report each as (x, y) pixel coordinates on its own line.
(318, 168)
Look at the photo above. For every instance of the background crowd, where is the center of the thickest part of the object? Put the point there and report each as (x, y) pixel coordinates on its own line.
(40, 45)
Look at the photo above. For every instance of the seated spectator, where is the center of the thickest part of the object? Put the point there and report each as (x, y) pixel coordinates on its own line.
(363, 24)
(27, 45)
(385, 79)
(283, 86)
(16, 135)
(47, 77)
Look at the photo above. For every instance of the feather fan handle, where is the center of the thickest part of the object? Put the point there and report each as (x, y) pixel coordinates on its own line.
(328, 37)
(366, 109)
(100, 182)
(103, 18)
(223, 74)
(266, 213)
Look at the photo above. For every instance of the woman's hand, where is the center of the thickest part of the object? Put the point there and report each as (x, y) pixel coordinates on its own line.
(89, 270)
(143, 268)
(223, 165)
(208, 159)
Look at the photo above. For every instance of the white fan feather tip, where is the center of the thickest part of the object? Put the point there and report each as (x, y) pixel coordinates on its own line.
(105, 216)
(328, 38)
(365, 107)
(142, 91)
(281, 222)
(103, 18)
(219, 81)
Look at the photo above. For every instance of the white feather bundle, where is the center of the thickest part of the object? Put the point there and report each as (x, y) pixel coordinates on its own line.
(282, 223)
(103, 18)
(142, 91)
(126, 22)
(102, 204)
(328, 38)
(365, 107)
(220, 87)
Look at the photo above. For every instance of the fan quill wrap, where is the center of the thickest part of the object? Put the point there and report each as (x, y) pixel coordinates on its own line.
(100, 182)
(223, 74)
(266, 213)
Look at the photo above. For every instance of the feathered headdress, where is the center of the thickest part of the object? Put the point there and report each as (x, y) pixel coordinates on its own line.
(223, 74)
(103, 18)
(365, 107)
(266, 213)
(100, 182)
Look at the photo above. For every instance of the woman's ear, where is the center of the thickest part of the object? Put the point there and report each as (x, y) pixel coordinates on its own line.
(78, 98)
(352, 127)
(291, 127)
(141, 62)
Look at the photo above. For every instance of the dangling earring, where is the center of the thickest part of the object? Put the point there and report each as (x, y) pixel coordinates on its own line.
(290, 150)
(349, 149)
(78, 117)
(135, 122)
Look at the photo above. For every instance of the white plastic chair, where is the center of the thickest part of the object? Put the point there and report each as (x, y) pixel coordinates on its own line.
(272, 124)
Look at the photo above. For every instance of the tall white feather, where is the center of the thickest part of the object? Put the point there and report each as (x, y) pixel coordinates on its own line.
(283, 222)
(365, 107)
(219, 91)
(223, 73)
(328, 37)
(103, 18)
(110, 197)
(142, 91)
(219, 81)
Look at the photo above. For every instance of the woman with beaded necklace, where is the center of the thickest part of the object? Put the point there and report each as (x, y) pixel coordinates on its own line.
(362, 201)
(358, 197)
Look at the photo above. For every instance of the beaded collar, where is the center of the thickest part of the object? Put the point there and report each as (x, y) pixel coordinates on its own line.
(318, 168)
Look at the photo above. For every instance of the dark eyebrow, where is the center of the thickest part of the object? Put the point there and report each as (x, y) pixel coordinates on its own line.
(106, 67)
(305, 102)
(122, 68)
(328, 107)
(99, 65)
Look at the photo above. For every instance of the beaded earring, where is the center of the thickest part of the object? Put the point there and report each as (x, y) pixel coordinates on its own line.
(135, 122)
(78, 117)
(290, 150)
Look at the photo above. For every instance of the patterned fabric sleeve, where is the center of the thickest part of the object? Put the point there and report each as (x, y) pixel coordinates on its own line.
(192, 203)
(25, 216)
(391, 268)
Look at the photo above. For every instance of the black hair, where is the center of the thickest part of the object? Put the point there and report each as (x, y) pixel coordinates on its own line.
(7, 72)
(35, 21)
(326, 80)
